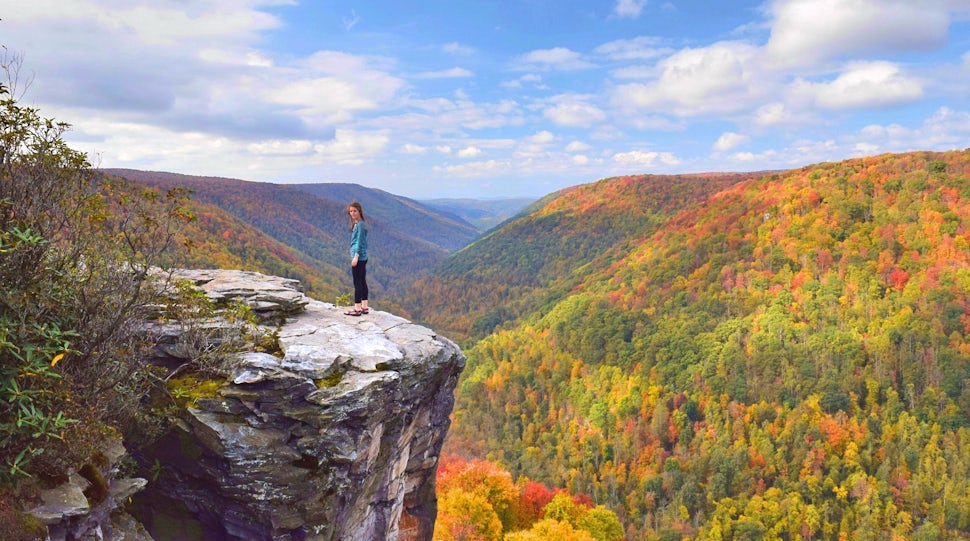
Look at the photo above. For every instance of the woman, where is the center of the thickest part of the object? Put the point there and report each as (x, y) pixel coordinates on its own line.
(358, 258)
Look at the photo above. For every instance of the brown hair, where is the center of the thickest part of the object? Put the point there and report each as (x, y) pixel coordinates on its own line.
(360, 210)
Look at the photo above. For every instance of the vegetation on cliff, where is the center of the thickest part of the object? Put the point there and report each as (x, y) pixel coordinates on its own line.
(75, 251)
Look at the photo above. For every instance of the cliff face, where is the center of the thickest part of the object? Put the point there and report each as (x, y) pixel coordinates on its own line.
(336, 440)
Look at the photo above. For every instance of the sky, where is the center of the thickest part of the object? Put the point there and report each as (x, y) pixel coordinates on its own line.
(482, 99)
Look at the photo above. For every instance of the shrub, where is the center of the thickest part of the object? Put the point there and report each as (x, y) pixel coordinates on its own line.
(75, 250)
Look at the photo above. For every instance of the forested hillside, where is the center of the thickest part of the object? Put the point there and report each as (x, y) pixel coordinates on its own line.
(778, 357)
(441, 229)
(484, 214)
(532, 262)
(312, 230)
(217, 239)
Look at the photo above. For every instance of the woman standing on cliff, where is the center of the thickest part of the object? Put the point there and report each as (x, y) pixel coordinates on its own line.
(358, 258)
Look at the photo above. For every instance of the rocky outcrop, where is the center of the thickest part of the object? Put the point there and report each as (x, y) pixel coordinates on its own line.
(336, 439)
(90, 504)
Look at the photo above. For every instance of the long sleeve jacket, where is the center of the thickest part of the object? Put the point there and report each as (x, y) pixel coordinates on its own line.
(358, 241)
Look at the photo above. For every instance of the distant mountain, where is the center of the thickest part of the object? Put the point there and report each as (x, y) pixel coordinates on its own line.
(442, 229)
(313, 230)
(776, 355)
(537, 258)
(484, 214)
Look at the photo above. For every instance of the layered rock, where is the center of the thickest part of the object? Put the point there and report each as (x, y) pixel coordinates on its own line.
(90, 504)
(336, 439)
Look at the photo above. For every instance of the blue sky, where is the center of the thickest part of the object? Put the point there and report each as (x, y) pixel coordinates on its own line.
(490, 99)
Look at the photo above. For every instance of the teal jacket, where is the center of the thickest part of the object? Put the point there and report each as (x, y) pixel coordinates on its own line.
(358, 241)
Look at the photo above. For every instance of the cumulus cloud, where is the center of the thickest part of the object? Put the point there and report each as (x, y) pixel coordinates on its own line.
(570, 110)
(945, 129)
(751, 158)
(629, 8)
(531, 79)
(558, 59)
(638, 48)
(863, 85)
(443, 115)
(281, 148)
(469, 152)
(805, 32)
(577, 146)
(729, 140)
(472, 169)
(771, 114)
(350, 147)
(452, 73)
(542, 137)
(190, 67)
(411, 148)
(644, 158)
(720, 78)
(535, 146)
(456, 48)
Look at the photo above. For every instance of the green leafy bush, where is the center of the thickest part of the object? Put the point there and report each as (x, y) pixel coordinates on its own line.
(75, 250)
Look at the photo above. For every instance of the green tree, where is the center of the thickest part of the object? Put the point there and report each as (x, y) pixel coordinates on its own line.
(76, 248)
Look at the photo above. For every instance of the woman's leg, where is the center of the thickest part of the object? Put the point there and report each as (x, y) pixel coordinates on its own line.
(364, 292)
(359, 273)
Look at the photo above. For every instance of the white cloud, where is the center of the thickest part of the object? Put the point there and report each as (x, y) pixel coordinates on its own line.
(863, 85)
(535, 146)
(638, 48)
(281, 148)
(945, 129)
(558, 58)
(457, 49)
(532, 79)
(751, 158)
(634, 72)
(577, 146)
(569, 110)
(441, 115)
(351, 21)
(343, 97)
(350, 147)
(805, 32)
(580, 159)
(453, 73)
(720, 78)
(469, 152)
(729, 140)
(771, 114)
(411, 148)
(542, 137)
(647, 159)
(865, 149)
(629, 8)
(472, 169)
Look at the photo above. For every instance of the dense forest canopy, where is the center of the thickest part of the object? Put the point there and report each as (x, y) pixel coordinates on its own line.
(785, 357)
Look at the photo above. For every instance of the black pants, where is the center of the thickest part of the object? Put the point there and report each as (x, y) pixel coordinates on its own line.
(360, 281)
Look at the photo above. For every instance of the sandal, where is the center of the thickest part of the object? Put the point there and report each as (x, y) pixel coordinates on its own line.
(353, 313)
(365, 311)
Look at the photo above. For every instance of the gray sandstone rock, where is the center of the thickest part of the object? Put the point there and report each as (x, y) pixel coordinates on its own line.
(337, 440)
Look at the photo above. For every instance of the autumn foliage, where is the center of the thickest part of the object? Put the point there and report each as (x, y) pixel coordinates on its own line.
(781, 356)
(478, 500)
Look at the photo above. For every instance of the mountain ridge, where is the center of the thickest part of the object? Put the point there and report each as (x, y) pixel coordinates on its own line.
(313, 229)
